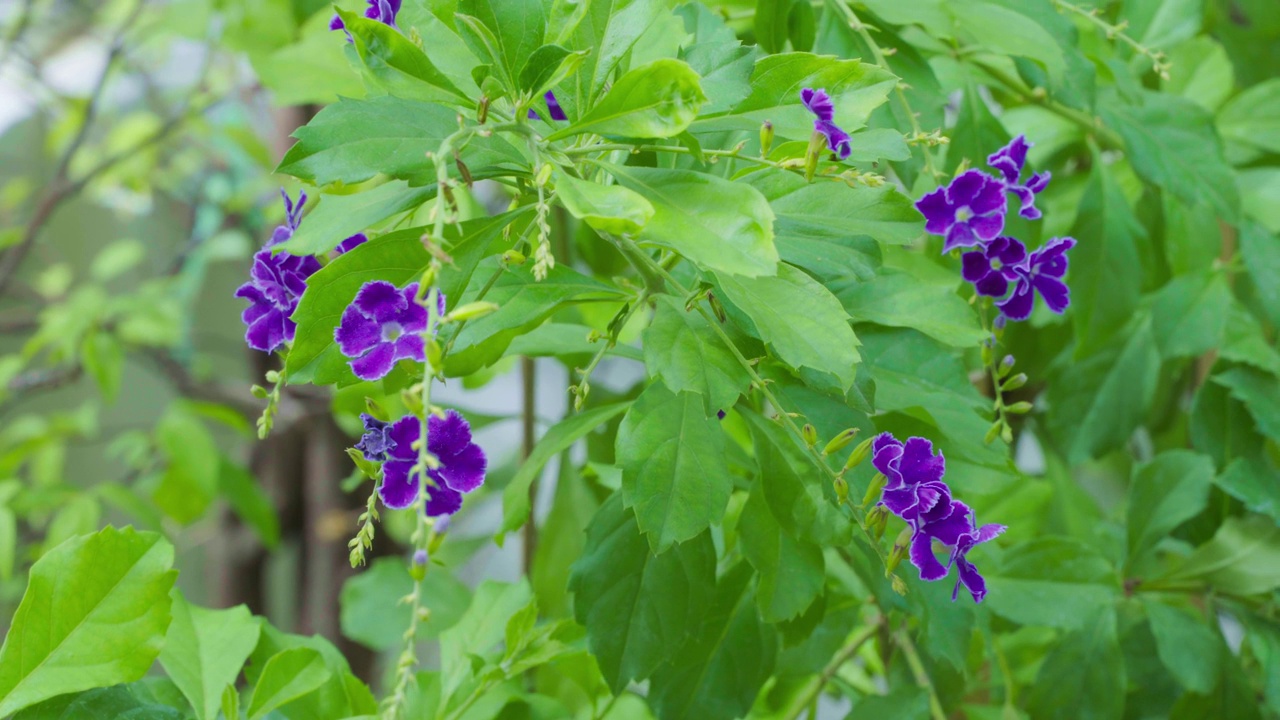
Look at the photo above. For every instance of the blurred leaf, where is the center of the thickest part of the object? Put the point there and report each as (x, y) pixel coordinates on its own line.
(547, 66)
(94, 614)
(831, 212)
(1253, 483)
(1261, 253)
(337, 217)
(796, 490)
(561, 540)
(906, 702)
(190, 480)
(1259, 392)
(249, 500)
(771, 24)
(1190, 313)
(1052, 581)
(717, 56)
(1186, 646)
(204, 651)
(394, 65)
(127, 702)
(638, 608)
(1105, 296)
(479, 629)
(288, 675)
(1243, 558)
(1202, 73)
(373, 615)
(682, 348)
(1250, 122)
(1222, 427)
(1163, 494)
(977, 133)
(792, 571)
(1083, 677)
(1008, 32)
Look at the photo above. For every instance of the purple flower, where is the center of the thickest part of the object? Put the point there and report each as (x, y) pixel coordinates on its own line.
(350, 244)
(956, 529)
(914, 487)
(819, 103)
(968, 212)
(553, 108)
(460, 470)
(384, 11)
(1043, 273)
(376, 441)
(382, 326)
(968, 574)
(276, 282)
(1009, 160)
(993, 267)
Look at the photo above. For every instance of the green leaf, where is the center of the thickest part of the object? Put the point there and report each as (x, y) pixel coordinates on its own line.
(798, 318)
(373, 615)
(1261, 252)
(1084, 675)
(1190, 314)
(1264, 640)
(607, 208)
(395, 66)
(1221, 426)
(1202, 73)
(337, 217)
(1105, 297)
(798, 492)
(1163, 494)
(505, 33)
(341, 695)
(792, 571)
(249, 500)
(1186, 646)
(396, 257)
(190, 480)
(912, 291)
(610, 28)
(94, 614)
(833, 211)
(1172, 144)
(1259, 392)
(683, 349)
(1098, 402)
(104, 359)
(1008, 32)
(673, 471)
(977, 132)
(353, 141)
(715, 53)
(561, 540)
(658, 100)
(720, 670)
(1052, 581)
(801, 26)
(717, 224)
(1250, 122)
(856, 88)
(1253, 483)
(771, 24)
(562, 436)
(638, 608)
(546, 67)
(204, 651)
(479, 629)
(287, 676)
(127, 702)
(1243, 558)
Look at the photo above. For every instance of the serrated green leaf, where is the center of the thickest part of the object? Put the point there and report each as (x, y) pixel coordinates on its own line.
(204, 651)
(505, 33)
(1253, 483)
(1163, 494)
(1250, 122)
(94, 614)
(1104, 297)
(792, 571)
(1243, 558)
(287, 676)
(1259, 392)
(1186, 646)
(1068, 689)
(1190, 314)
(832, 211)
(658, 100)
(798, 492)
(682, 348)
(396, 66)
(1052, 581)
(373, 615)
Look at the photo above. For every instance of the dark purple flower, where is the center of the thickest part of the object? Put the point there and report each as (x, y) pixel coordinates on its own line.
(276, 282)
(376, 441)
(819, 103)
(947, 524)
(384, 11)
(382, 326)
(993, 267)
(968, 212)
(968, 574)
(1009, 160)
(350, 244)
(1042, 272)
(914, 487)
(720, 414)
(553, 108)
(461, 464)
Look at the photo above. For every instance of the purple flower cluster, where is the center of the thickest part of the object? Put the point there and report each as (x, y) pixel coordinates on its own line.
(553, 108)
(819, 103)
(276, 282)
(384, 11)
(914, 491)
(459, 468)
(381, 327)
(970, 212)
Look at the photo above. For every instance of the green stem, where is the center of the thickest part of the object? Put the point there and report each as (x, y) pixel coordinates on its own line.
(678, 149)
(617, 324)
(1089, 123)
(846, 653)
(918, 671)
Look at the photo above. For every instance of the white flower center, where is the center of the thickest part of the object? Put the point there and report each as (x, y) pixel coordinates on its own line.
(963, 214)
(391, 332)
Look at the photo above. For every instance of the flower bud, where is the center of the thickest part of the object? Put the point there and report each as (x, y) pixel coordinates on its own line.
(544, 174)
(899, 586)
(992, 433)
(842, 490)
(418, 568)
(376, 410)
(766, 138)
(426, 281)
(259, 392)
(1005, 365)
(1019, 408)
(412, 399)
(858, 455)
(986, 354)
(435, 355)
(513, 257)
(877, 517)
(1014, 382)
(873, 490)
(1006, 434)
(840, 441)
(482, 110)
(816, 144)
(273, 376)
(898, 552)
(471, 311)
(810, 434)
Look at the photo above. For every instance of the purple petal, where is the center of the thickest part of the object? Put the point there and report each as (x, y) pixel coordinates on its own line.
(553, 107)
(938, 212)
(268, 332)
(922, 557)
(1056, 294)
(448, 435)
(1009, 251)
(974, 266)
(987, 227)
(464, 471)
(404, 433)
(988, 532)
(989, 198)
(410, 347)
(818, 103)
(1051, 259)
(966, 187)
(376, 364)
(1019, 304)
(399, 486)
(380, 300)
(971, 579)
(992, 285)
(960, 235)
(356, 333)
(886, 458)
(837, 139)
(443, 501)
(336, 24)
(351, 243)
(919, 464)
(956, 524)
(899, 501)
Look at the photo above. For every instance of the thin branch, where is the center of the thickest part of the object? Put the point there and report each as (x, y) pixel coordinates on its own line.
(44, 379)
(921, 675)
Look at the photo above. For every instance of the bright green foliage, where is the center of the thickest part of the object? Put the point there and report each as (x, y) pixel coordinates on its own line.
(204, 651)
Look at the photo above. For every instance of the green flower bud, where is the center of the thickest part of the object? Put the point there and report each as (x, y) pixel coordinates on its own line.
(817, 142)
(471, 311)
(899, 586)
(766, 138)
(1019, 408)
(544, 174)
(840, 441)
(1005, 366)
(1014, 382)
(259, 392)
(873, 490)
(376, 410)
(842, 490)
(513, 257)
(810, 434)
(992, 433)
(858, 455)
(898, 552)
(435, 355)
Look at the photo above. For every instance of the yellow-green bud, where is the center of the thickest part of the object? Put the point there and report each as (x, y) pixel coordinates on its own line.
(873, 490)
(544, 174)
(766, 138)
(898, 552)
(435, 354)
(418, 568)
(1019, 408)
(877, 519)
(513, 257)
(1005, 365)
(427, 280)
(899, 586)
(842, 490)
(816, 143)
(412, 399)
(810, 434)
(992, 434)
(986, 354)
(471, 311)
(259, 392)
(273, 376)
(1015, 382)
(376, 410)
(1006, 434)
(858, 455)
(840, 441)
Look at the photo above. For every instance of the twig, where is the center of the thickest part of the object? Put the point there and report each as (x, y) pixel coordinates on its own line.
(850, 649)
(921, 675)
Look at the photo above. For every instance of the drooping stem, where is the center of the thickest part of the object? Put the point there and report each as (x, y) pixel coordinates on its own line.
(528, 427)
(846, 653)
(919, 673)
